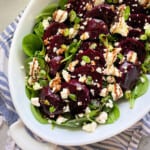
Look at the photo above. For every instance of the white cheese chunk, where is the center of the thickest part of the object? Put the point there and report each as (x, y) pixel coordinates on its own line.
(60, 120)
(60, 15)
(90, 127)
(35, 101)
(64, 93)
(102, 118)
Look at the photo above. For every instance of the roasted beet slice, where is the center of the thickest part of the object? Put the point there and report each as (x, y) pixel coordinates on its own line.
(90, 71)
(95, 27)
(130, 75)
(79, 6)
(135, 33)
(53, 100)
(82, 95)
(104, 12)
(55, 65)
(137, 20)
(135, 6)
(135, 45)
(54, 43)
(53, 29)
(94, 55)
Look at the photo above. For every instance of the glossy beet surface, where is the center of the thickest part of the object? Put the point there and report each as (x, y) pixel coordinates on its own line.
(83, 65)
(103, 12)
(55, 65)
(53, 100)
(130, 75)
(82, 96)
(95, 27)
(134, 45)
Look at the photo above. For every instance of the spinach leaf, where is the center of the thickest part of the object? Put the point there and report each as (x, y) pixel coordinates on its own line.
(31, 43)
(37, 115)
(62, 3)
(30, 92)
(39, 29)
(113, 115)
(48, 11)
(146, 64)
(141, 87)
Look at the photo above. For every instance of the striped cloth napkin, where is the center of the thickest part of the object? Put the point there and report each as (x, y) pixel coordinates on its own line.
(127, 140)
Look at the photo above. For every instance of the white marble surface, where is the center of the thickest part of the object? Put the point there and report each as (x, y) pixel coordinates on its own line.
(8, 11)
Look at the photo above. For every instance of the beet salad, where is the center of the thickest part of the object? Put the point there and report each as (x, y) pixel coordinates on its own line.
(83, 56)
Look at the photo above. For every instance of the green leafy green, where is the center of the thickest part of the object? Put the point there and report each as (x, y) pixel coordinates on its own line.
(52, 109)
(127, 12)
(89, 80)
(72, 15)
(37, 115)
(62, 3)
(39, 29)
(113, 115)
(146, 64)
(31, 43)
(73, 97)
(141, 86)
(139, 90)
(86, 59)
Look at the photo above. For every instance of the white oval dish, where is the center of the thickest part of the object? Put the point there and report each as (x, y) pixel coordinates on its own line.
(22, 104)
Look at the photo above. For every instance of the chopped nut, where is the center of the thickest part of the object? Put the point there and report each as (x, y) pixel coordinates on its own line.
(72, 65)
(110, 79)
(47, 59)
(55, 83)
(110, 57)
(60, 15)
(145, 3)
(72, 33)
(112, 70)
(66, 75)
(85, 36)
(115, 90)
(60, 51)
(120, 27)
(104, 92)
(132, 56)
(46, 41)
(98, 2)
(88, 6)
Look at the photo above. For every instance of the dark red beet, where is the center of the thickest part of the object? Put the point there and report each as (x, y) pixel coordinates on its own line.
(53, 29)
(54, 100)
(134, 6)
(93, 54)
(134, 33)
(89, 70)
(82, 94)
(137, 20)
(95, 27)
(55, 65)
(129, 77)
(78, 6)
(54, 43)
(104, 12)
(135, 45)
